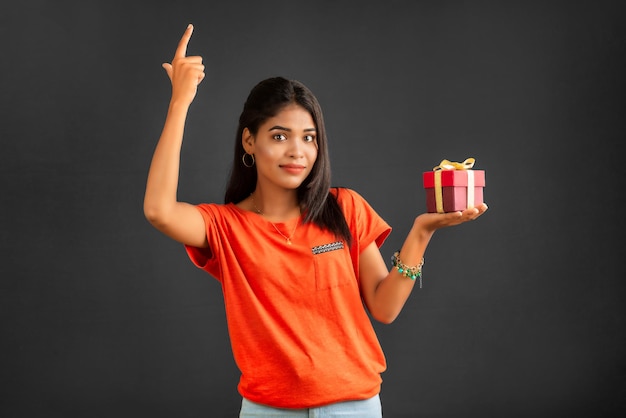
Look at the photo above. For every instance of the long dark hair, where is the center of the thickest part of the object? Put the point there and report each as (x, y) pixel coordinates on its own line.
(266, 100)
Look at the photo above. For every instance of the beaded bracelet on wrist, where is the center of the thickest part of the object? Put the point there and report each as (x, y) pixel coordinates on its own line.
(414, 272)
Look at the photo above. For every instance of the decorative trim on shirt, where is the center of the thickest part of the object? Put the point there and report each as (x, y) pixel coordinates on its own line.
(319, 249)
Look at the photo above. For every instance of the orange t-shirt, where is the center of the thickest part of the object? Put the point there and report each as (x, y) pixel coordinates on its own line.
(298, 328)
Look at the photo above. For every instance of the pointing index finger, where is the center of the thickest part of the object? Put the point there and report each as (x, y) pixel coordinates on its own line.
(181, 50)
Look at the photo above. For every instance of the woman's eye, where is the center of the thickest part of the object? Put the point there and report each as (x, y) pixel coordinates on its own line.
(280, 137)
(309, 138)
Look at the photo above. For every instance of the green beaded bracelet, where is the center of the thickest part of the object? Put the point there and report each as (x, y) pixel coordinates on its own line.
(412, 273)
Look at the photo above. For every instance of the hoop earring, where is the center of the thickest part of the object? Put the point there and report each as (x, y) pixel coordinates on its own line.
(243, 160)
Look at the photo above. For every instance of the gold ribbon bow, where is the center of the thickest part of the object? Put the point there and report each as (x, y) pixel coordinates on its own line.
(452, 165)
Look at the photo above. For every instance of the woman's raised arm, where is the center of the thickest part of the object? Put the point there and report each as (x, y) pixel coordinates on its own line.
(179, 220)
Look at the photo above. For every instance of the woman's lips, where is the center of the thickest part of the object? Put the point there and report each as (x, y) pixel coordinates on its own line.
(293, 168)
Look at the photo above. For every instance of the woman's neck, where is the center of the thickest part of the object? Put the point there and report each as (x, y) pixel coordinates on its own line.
(275, 205)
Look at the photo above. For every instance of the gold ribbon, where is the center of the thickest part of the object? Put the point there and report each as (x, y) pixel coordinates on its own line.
(452, 165)
(445, 165)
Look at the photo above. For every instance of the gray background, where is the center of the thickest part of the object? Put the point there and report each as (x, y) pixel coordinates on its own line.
(522, 312)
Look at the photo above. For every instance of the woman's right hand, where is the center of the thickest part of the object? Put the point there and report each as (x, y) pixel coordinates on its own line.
(185, 73)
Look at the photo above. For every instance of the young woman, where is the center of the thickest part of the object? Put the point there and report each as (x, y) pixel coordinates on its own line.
(297, 259)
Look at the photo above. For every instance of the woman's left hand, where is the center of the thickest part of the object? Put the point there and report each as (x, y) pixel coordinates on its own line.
(433, 221)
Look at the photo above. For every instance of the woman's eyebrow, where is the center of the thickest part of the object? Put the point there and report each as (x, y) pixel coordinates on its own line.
(282, 128)
(279, 128)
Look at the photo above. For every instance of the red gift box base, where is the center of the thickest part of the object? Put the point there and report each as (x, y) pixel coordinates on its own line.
(454, 198)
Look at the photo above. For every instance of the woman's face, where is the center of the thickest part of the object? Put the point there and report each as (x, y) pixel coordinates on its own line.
(284, 147)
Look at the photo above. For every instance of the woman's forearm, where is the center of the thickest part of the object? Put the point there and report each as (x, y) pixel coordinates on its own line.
(393, 291)
(162, 184)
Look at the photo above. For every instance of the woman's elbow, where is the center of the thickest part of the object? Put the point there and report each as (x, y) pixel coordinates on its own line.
(154, 214)
(384, 316)
(150, 212)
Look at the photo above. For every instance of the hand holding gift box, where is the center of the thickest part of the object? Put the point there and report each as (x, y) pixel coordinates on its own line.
(453, 187)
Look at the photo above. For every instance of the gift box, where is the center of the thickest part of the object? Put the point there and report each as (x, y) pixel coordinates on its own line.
(453, 186)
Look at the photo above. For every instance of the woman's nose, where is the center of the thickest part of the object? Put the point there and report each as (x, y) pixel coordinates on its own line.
(295, 148)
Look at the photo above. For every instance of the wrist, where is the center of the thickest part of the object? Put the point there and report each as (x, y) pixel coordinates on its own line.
(179, 105)
(420, 231)
(411, 272)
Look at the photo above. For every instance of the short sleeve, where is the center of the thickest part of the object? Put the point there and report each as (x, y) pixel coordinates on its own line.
(206, 258)
(365, 223)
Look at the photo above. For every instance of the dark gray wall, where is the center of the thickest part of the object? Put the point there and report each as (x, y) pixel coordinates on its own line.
(522, 313)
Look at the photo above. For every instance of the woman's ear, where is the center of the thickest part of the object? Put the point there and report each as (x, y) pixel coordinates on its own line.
(247, 140)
